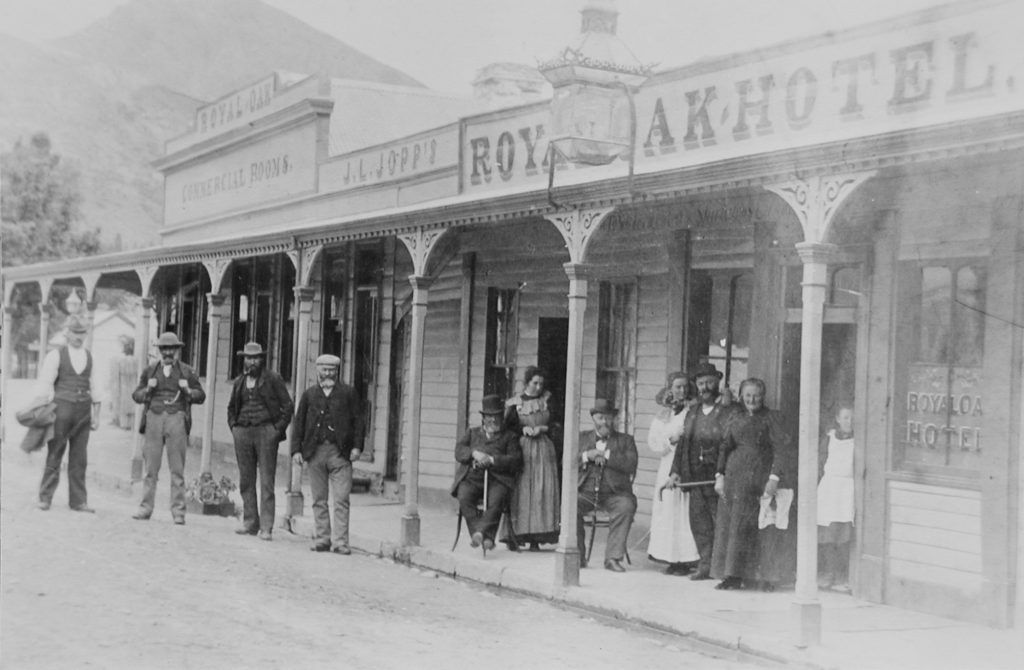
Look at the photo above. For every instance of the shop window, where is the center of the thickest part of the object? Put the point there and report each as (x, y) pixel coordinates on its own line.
(501, 342)
(616, 346)
(940, 348)
(261, 295)
(335, 305)
(182, 309)
(718, 331)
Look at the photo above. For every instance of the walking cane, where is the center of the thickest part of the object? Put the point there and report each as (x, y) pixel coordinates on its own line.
(688, 485)
(486, 479)
(593, 517)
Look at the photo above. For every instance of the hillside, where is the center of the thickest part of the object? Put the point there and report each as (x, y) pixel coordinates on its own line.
(204, 48)
(111, 95)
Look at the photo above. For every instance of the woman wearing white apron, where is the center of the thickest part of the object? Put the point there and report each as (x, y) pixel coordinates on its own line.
(671, 540)
(836, 502)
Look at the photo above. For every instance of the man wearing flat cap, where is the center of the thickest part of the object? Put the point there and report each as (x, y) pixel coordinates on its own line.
(696, 460)
(608, 461)
(67, 376)
(259, 412)
(489, 449)
(168, 388)
(327, 426)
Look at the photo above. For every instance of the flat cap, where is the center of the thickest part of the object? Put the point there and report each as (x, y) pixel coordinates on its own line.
(328, 359)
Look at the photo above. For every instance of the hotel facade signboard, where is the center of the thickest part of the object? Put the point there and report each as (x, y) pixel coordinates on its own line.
(953, 69)
(414, 156)
(277, 168)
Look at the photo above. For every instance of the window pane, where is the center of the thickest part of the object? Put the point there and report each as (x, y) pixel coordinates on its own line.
(969, 316)
(845, 287)
(936, 290)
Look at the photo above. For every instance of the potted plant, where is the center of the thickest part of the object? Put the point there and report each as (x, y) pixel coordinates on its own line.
(206, 495)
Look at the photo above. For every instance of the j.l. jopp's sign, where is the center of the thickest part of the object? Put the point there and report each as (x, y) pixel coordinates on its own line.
(957, 68)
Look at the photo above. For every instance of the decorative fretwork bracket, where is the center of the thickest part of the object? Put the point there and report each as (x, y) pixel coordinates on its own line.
(577, 227)
(817, 199)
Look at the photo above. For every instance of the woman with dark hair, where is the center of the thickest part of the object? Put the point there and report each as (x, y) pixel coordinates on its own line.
(671, 538)
(534, 509)
(755, 461)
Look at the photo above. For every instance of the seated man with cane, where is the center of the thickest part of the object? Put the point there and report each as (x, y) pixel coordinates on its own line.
(489, 459)
(608, 461)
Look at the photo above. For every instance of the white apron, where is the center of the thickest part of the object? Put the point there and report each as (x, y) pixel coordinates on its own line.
(835, 490)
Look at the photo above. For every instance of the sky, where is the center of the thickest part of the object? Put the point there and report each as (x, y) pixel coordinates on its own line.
(442, 43)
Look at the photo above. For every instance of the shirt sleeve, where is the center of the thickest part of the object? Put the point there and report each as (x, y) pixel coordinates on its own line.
(48, 375)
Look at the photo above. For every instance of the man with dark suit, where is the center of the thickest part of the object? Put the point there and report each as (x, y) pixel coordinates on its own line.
(259, 412)
(168, 389)
(327, 425)
(608, 461)
(486, 449)
(697, 457)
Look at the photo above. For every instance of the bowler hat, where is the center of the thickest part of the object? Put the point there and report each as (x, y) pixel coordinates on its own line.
(603, 406)
(328, 359)
(75, 325)
(706, 370)
(168, 340)
(492, 404)
(252, 349)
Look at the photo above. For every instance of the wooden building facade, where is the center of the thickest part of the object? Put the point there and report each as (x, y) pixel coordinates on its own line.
(839, 216)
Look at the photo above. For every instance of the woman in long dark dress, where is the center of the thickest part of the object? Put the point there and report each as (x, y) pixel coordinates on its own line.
(754, 461)
(535, 499)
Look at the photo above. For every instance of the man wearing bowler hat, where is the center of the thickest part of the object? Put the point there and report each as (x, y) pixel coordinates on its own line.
(486, 449)
(328, 425)
(259, 412)
(608, 462)
(168, 388)
(67, 375)
(696, 459)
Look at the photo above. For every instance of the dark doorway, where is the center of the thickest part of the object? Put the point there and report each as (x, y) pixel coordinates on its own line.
(396, 392)
(838, 369)
(553, 347)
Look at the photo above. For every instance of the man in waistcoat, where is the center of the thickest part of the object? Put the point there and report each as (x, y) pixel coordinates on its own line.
(168, 388)
(259, 412)
(697, 457)
(608, 461)
(328, 424)
(67, 375)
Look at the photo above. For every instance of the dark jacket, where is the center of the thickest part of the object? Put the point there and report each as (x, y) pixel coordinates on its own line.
(271, 389)
(343, 407)
(195, 396)
(620, 468)
(709, 440)
(503, 447)
(39, 418)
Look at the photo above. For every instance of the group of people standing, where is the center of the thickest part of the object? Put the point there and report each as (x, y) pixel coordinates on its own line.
(730, 472)
(724, 509)
(327, 425)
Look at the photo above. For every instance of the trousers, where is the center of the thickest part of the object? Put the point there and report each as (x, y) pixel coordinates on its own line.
(703, 507)
(164, 430)
(471, 492)
(621, 508)
(70, 433)
(256, 451)
(330, 472)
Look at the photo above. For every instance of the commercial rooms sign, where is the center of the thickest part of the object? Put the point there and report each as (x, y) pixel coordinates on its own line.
(953, 69)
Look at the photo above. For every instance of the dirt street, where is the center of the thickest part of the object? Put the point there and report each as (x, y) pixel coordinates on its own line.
(105, 591)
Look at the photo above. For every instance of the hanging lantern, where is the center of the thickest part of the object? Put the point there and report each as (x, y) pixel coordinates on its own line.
(593, 121)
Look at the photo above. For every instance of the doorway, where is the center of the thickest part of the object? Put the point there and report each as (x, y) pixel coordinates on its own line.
(396, 393)
(553, 348)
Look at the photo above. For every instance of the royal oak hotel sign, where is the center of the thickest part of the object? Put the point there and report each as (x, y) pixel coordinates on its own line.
(952, 69)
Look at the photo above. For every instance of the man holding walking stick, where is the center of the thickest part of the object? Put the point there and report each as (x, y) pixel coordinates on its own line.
(489, 460)
(608, 461)
(696, 459)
